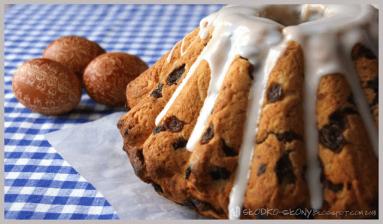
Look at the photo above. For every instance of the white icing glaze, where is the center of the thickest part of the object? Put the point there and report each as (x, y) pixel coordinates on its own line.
(171, 52)
(234, 40)
(256, 97)
(348, 41)
(321, 39)
(182, 49)
(326, 34)
(234, 34)
(311, 12)
(316, 65)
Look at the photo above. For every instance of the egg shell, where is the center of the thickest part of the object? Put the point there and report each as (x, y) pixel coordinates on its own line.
(106, 77)
(74, 52)
(46, 86)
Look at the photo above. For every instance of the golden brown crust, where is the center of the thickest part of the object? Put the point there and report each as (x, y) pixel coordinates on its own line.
(277, 171)
(139, 89)
(214, 159)
(202, 179)
(136, 125)
(165, 154)
(350, 168)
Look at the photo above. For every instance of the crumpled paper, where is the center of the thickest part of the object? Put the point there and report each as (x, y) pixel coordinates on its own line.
(94, 149)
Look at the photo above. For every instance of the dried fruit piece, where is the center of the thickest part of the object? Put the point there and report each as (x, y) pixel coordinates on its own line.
(187, 172)
(179, 143)
(175, 75)
(361, 51)
(284, 170)
(157, 188)
(227, 149)
(158, 129)
(331, 186)
(219, 173)
(261, 169)
(157, 92)
(207, 135)
(173, 124)
(331, 137)
(274, 93)
(337, 118)
(287, 136)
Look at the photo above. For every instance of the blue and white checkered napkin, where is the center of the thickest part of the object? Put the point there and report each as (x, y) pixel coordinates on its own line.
(39, 184)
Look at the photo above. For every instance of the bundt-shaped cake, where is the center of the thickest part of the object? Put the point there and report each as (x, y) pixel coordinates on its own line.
(263, 112)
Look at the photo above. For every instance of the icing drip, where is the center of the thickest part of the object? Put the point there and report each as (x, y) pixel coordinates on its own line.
(219, 58)
(235, 34)
(182, 49)
(170, 55)
(326, 34)
(256, 97)
(230, 43)
(348, 41)
(317, 65)
(322, 37)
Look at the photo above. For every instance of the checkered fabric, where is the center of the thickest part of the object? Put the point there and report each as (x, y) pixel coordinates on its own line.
(39, 184)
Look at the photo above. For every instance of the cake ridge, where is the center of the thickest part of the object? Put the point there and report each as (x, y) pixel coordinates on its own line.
(248, 141)
(237, 31)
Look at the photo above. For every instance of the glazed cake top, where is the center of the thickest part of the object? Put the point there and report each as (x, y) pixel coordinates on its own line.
(326, 33)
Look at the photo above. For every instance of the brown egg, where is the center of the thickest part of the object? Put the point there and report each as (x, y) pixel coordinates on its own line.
(46, 86)
(107, 76)
(73, 52)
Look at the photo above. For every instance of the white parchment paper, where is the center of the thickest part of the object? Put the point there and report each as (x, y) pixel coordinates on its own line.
(94, 149)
